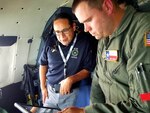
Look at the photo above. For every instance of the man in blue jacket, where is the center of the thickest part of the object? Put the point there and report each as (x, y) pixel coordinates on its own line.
(65, 61)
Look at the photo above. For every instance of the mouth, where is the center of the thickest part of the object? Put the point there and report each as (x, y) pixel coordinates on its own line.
(93, 34)
(64, 40)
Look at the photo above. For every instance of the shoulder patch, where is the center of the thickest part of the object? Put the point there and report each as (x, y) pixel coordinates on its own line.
(147, 39)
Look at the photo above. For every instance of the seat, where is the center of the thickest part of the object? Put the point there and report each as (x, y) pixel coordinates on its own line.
(144, 5)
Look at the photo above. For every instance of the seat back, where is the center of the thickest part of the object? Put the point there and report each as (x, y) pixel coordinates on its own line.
(144, 5)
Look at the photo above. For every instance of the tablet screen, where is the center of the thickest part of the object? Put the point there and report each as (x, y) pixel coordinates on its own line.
(24, 108)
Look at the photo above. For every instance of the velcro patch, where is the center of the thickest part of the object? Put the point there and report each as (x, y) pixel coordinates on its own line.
(145, 96)
(147, 39)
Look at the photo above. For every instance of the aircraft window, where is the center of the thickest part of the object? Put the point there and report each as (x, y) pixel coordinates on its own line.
(7, 58)
(7, 40)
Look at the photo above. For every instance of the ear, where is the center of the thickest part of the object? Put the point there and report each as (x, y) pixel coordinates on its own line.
(74, 26)
(108, 6)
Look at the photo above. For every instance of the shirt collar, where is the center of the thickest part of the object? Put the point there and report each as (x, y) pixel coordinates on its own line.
(129, 13)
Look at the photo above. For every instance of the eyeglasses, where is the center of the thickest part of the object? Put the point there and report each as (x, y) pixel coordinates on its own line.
(64, 31)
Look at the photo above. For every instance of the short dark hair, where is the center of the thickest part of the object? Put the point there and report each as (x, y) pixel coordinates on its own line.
(98, 3)
(64, 16)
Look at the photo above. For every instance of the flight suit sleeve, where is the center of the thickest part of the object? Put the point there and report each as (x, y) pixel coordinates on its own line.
(96, 92)
(98, 104)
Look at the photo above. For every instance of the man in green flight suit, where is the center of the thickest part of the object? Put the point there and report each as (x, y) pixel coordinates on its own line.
(121, 82)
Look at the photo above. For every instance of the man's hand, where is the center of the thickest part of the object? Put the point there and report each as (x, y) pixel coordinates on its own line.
(66, 85)
(72, 110)
(44, 94)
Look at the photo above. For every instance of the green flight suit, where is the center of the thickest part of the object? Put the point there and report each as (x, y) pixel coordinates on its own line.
(117, 84)
(2, 110)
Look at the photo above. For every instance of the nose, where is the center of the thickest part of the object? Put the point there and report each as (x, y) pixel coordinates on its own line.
(87, 28)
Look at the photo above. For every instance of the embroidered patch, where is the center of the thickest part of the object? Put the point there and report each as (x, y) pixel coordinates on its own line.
(111, 55)
(147, 39)
(54, 49)
(74, 53)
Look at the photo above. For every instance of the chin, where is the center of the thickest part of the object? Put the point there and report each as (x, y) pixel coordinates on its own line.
(65, 44)
(98, 37)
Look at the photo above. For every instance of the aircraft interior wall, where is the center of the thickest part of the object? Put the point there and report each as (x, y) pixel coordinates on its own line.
(25, 19)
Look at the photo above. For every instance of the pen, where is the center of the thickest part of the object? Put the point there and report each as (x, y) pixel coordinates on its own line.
(142, 71)
(144, 81)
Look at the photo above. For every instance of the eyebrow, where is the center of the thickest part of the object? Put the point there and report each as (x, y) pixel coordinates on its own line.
(87, 20)
(63, 28)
